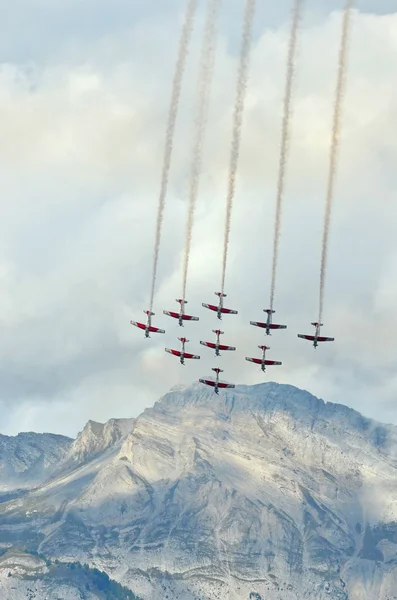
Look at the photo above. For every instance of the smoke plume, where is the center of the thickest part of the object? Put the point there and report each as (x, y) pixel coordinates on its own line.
(285, 136)
(237, 124)
(207, 61)
(169, 138)
(336, 127)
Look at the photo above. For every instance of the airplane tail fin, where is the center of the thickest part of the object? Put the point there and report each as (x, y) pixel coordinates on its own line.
(317, 324)
(149, 313)
(180, 300)
(220, 294)
(182, 339)
(217, 370)
(218, 331)
(264, 347)
(268, 311)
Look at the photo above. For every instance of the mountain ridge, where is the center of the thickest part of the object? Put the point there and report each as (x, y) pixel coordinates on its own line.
(263, 491)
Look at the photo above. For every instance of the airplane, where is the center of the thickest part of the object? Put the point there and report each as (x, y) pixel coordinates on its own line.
(148, 328)
(181, 353)
(181, 316)
(217, 385)
(263, 361)
(216, 345)
(316, 337)
(269, 324)
(220, 309)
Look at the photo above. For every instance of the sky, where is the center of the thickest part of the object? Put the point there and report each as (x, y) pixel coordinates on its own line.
(84, 92)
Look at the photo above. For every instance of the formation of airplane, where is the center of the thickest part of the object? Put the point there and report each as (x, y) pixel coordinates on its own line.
(263, 362)
(148, 328)
(220, 310)
(181, 316)
(316, 338)
(269, 322)
(217, 385)
(217, 346)
(181, 353)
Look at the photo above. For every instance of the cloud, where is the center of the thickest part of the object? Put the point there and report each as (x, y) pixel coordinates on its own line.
(81, 141)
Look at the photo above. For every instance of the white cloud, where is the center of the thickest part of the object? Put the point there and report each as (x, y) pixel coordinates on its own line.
(80, 152)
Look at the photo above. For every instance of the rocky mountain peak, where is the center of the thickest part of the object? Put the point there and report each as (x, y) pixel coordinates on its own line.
(261, 492)
(98, 437)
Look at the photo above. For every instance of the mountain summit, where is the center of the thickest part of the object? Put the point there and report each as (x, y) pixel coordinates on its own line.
(261, 492)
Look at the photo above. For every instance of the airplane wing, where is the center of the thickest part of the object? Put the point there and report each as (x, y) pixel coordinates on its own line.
(191, 355)
(226, 385)
(155, 330)
(275, 326)
(173, 352)
(325, 339)
(257, 361)
(189, 318)
(273, 362)
(170, 313)
(208, 344)
(208, 382)
(306, 337)
(229, 311)
(140, 325)
(222, 347)
(258, 324)
(210, 306)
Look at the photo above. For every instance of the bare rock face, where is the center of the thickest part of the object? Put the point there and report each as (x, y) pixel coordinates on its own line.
(262, 492)
(28, 459)
(96, 438)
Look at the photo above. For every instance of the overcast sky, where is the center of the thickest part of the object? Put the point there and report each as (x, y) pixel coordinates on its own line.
(84, 91)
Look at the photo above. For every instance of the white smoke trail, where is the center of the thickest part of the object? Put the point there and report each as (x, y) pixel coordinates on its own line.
(169, 138)
(237, 124)
(207, 61)
(333, 159)
(285, 136)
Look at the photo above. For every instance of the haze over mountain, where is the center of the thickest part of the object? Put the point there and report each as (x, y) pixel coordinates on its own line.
(263, 492)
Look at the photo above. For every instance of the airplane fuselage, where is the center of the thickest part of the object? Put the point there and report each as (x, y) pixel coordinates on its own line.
(268, 322)
(315, 341)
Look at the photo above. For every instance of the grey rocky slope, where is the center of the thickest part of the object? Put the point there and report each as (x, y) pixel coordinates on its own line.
(95, 439)
(32, 577)
(264, 492)
(28, 459)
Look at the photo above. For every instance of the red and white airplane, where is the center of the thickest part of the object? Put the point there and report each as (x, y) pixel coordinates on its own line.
(181, 316)
(269, 324)
(217, 385)
(263, 361)
(220, 310)
(216, 345)
(148, 328)
(316, 337)
(181, 353)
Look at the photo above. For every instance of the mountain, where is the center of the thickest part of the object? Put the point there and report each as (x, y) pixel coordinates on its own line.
(32, 576)
(95, 439)
(28, 459)
(262, 492)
